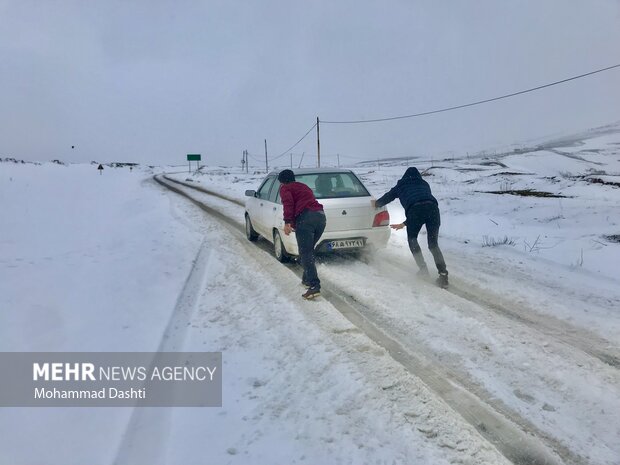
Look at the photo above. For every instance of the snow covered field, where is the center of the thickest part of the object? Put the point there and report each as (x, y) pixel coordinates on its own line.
(530, 325)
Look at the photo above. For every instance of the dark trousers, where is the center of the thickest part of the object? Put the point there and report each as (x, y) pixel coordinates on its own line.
(417, 216)
(309, 226)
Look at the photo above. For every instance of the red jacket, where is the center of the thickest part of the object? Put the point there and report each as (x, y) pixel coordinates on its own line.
(297, 197)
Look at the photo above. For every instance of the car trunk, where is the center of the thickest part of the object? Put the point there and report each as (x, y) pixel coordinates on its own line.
(348, 213)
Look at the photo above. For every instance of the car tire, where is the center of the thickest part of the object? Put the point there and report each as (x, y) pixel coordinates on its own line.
(249, 230)
(278, 248)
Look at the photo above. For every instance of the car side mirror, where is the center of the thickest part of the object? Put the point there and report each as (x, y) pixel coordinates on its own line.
(250, 193)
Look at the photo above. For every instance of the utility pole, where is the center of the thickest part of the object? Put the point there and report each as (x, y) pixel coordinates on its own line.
(266, 161)
(338, 155)
(291, 161)
(318, 145)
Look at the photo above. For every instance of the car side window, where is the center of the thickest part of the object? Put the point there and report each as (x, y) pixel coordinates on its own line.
(275, 191)
(263, 191)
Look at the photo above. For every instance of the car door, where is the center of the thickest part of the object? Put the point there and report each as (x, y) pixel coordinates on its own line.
(273, 214)
(290, 241)
(260, 219)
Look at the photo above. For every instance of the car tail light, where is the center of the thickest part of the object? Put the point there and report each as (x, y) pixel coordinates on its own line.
(381, 219)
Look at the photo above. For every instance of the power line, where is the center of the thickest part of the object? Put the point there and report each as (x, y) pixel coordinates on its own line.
(479, 102)
(294, 145)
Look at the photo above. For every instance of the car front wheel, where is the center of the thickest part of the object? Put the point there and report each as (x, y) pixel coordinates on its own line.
(249, 230)
(278, 248)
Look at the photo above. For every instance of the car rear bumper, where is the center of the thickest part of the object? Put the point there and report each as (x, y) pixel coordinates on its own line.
(373, 238)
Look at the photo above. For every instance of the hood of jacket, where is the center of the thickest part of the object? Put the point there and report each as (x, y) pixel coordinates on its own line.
(412, 173)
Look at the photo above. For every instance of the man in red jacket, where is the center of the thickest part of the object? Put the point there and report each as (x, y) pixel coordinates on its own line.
(304, 215)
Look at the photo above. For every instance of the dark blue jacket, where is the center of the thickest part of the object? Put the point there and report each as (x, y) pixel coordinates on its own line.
(410, 189)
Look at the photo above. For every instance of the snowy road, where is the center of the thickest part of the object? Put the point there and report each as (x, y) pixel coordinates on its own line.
(486, 356)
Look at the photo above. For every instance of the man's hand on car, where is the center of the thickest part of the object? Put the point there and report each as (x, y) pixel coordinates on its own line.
(288, 229)
(397, 226)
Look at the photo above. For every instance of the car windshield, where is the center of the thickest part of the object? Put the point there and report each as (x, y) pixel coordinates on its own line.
(333, 185)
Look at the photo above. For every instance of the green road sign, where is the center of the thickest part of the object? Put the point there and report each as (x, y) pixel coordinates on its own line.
(193, 157)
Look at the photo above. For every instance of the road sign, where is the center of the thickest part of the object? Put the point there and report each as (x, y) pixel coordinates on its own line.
(193, 157)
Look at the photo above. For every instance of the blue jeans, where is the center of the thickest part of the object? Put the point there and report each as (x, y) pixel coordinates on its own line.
(417, 216)
(309, 226)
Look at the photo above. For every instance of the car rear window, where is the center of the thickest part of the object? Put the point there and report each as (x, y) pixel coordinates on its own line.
(333, 185)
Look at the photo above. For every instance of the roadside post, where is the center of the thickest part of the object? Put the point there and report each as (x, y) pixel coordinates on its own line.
(193, 157)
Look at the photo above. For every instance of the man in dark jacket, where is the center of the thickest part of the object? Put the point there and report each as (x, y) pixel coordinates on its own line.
(304, 215)
(421, 209)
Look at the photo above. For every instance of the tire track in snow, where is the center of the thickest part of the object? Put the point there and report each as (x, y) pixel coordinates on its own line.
(511, 436)
(578, 338)
(586, 341)
(145, 436)
(206, 191)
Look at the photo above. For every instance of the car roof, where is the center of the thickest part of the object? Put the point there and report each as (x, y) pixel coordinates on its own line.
(302, 171)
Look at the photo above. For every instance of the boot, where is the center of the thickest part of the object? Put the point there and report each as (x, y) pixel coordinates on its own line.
(312, 293)
(442, 281)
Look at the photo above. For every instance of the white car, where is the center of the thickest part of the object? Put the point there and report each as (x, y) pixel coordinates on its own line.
(352, 222)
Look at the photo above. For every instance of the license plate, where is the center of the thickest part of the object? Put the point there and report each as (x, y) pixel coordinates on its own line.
(346, 244)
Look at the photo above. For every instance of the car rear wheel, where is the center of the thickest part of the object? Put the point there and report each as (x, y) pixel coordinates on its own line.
(278, 248)
(249, 230)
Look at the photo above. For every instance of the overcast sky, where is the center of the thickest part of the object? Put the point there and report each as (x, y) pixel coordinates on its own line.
(150, 81)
